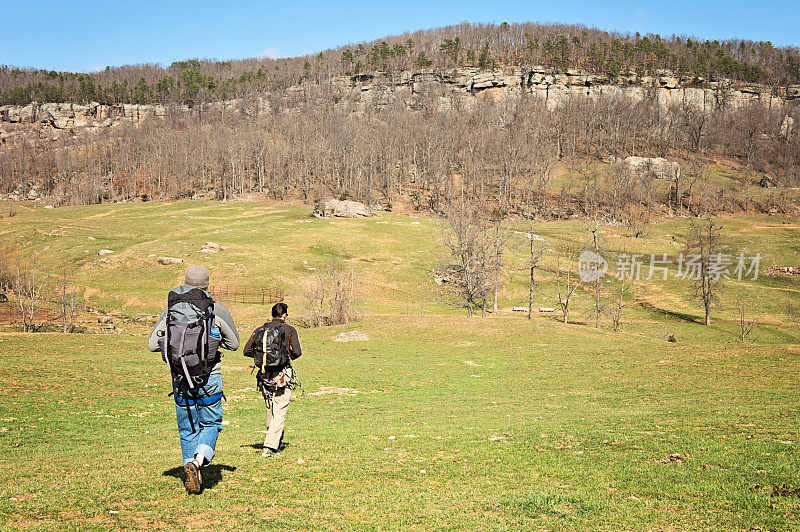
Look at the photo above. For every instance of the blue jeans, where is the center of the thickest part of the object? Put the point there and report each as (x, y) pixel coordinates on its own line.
(199, 414)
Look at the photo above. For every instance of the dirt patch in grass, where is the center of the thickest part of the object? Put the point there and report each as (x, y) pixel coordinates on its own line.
(676, 458)
(760, 227)
(92, 292)
(99, 215)
(133, 301)
(9, 313)
(785, 490)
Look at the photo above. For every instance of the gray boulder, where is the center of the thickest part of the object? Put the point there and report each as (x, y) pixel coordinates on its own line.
(169, 261)
(352, 336)
(658, 167)
(341, 209)
(28, 113)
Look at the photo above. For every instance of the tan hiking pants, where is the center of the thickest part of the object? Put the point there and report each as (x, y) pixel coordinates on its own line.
(276, 417)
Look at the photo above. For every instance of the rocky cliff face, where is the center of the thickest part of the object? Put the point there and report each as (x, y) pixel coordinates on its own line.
(462, 88)
(555, 88)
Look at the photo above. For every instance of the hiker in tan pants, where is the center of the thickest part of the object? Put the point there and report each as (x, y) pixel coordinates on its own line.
(276, 413)
(276, 340)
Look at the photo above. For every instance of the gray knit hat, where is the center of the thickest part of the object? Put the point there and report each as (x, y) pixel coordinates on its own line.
(197, 276)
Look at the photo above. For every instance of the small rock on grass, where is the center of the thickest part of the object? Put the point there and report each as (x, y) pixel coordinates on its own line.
(211, 247)
(168, 261)
(674, 457)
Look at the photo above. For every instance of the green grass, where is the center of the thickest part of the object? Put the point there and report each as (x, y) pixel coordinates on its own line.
(498, 423)
(393, 255)
(538, 424)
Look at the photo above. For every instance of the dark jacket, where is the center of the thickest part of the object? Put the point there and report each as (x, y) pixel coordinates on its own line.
(289, 332)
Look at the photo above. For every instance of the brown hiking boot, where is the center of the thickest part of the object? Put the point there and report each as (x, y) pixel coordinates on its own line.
(192, 482)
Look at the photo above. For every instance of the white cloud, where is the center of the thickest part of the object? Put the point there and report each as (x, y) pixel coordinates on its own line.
(269, 53)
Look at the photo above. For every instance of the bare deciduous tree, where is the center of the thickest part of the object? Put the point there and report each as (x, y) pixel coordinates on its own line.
(566, 281)
(703, 265)
(596, 246)
(68, 299)
(8, 263)
(535, 252)
(498, 240)
(330, 296)
(29, 285)
(624, 287)
(465, 236)
(746, 319)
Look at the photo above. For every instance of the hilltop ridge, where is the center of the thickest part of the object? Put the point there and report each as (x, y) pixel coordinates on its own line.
(450, 88)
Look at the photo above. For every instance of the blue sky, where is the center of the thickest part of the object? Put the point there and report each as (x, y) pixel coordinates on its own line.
(87, 35)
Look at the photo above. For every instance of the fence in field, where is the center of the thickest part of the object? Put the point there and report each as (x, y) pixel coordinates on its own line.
(247, 294)
(39, 311)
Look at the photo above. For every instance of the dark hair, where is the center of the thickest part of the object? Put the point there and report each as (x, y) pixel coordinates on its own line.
(279, 309)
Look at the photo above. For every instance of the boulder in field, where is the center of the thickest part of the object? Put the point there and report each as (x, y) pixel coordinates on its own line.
(658, 167)
(352, 336)
(341, 209)
(211, 247)
(169, 261)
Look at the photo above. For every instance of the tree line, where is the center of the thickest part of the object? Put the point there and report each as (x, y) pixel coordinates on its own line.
(477, 45)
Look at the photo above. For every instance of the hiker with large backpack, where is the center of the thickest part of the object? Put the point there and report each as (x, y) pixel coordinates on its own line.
(272, 347)
(189, 333)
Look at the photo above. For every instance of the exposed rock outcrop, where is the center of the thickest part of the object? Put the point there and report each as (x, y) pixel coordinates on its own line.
(341, 209)
(449, 88)
(70, 115)
(657, 167)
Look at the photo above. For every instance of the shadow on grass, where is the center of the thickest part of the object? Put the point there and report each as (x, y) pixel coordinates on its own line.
(259, 446)
(679, 315)
(212, 474)
(559, 318)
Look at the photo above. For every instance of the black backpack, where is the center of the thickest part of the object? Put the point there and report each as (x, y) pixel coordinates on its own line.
(188, 346)
(271, 348)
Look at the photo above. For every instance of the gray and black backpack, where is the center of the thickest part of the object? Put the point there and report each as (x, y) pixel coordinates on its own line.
(191, 341)
(271, 348)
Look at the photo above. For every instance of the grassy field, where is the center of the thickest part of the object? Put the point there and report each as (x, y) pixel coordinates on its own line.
(437, 422)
